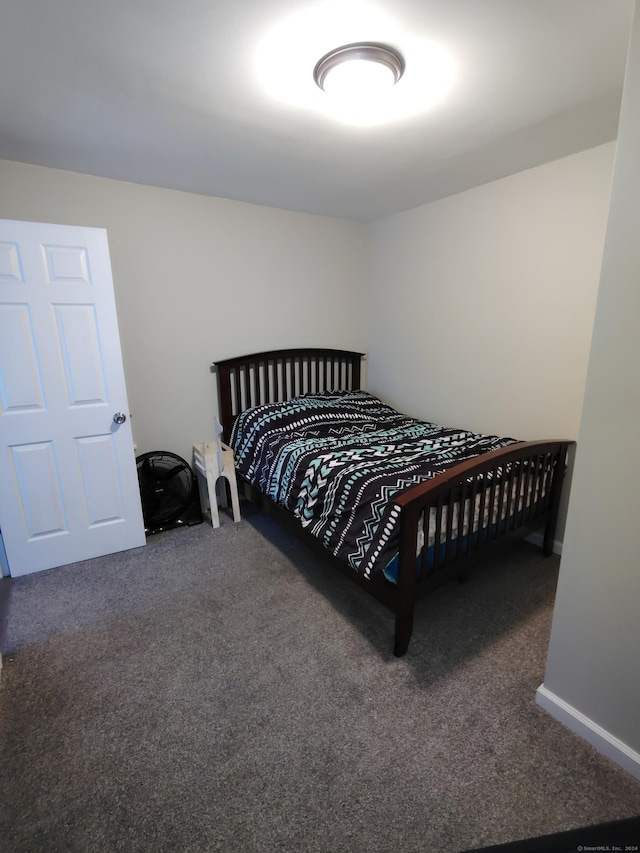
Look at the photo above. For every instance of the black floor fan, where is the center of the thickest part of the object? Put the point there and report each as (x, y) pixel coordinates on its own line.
(169, 492)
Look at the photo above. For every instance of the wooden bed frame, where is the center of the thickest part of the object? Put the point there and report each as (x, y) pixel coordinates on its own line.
(535, 469)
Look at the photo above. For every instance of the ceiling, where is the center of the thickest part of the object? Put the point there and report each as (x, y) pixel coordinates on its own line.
(174, 93)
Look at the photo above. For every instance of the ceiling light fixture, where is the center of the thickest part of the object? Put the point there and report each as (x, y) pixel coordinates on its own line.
(363, 69)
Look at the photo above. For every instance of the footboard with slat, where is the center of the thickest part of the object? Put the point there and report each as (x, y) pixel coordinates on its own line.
(466, 508)
(457, 514)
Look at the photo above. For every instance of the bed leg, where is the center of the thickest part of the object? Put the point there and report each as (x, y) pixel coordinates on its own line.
(404, 629)
(547, 545)
(556, 488)
(550, 533)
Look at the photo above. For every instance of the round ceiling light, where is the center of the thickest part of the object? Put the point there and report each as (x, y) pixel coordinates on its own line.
(359, 70)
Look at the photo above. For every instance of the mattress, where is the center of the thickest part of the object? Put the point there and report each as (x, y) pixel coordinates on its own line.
(336, 460)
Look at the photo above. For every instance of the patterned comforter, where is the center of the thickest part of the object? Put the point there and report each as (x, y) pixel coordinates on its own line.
(336, 460)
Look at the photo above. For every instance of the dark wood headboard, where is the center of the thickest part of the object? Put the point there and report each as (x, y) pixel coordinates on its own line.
(279, 375)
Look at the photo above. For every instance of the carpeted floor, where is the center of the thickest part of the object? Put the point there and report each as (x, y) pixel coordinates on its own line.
(224, 690)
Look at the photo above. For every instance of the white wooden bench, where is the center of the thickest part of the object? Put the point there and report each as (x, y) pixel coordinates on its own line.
(211, 461)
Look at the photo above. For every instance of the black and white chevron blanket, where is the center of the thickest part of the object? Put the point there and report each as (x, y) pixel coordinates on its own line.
(336, 459)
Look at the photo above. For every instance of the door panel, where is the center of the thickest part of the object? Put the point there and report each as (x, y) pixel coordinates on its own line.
(22, 386)
(68, 481)
(10, 269)
(83, 368)
(38, 489)
(66, 264)
(100, 479)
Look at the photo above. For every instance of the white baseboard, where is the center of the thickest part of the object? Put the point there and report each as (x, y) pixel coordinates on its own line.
(600, 738)
(537, 538)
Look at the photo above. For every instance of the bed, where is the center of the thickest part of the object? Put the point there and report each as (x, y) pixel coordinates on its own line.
(397, 504)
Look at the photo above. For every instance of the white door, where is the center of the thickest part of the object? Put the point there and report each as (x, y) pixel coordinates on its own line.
(68, 482)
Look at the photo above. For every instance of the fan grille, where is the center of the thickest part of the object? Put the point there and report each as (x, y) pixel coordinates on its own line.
(167, 488)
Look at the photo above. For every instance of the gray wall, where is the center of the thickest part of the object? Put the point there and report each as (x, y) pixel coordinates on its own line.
(592, 680)
(482, 304)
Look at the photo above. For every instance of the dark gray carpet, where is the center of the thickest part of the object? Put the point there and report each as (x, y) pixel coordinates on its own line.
(226, 690)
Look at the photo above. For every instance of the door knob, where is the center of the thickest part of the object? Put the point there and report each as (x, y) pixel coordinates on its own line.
(119, 418)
